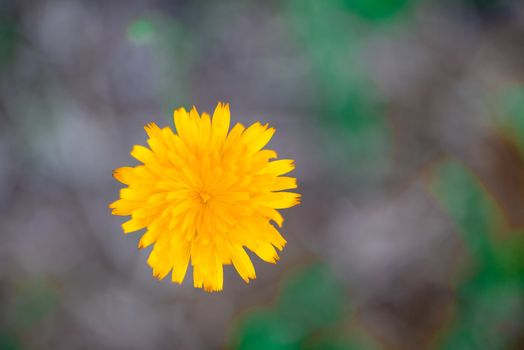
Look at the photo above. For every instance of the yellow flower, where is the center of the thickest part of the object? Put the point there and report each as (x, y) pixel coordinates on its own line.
(204, 195)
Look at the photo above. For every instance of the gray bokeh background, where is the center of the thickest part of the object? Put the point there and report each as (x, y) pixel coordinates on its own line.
(365, 104)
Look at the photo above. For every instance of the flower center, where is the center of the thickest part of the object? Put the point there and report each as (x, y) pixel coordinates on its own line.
(204, 197)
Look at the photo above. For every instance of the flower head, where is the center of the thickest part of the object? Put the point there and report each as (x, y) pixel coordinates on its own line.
(204, 195)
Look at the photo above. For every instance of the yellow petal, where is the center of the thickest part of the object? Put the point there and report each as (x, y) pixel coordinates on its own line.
(124, 175)
(265, 251)
(279, 167)
(186, 125)
(133, 225)
(205, 129)
(142, 154)
(181, 120)
(280, 200)
(220, 125)
(257, 136)
(242, 262)
(180, 265)
(272, 214)
(234, 136)
(283, 183)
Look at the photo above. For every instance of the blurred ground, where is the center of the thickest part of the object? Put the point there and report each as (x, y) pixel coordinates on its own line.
(406, 120)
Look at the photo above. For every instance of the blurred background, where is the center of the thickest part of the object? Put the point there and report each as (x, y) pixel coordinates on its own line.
(406, 120)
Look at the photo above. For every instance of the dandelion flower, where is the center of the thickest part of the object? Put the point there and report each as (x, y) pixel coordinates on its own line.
(204, 195)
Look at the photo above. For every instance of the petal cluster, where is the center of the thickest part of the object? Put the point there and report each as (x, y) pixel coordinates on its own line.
(204, 194)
